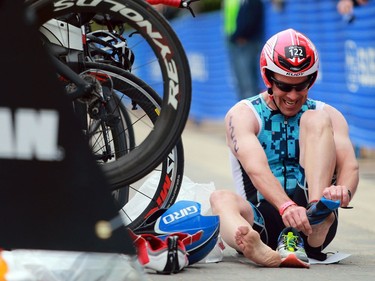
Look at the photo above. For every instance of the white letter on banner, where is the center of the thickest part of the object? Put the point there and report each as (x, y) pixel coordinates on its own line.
(7, 134)
(37, 134)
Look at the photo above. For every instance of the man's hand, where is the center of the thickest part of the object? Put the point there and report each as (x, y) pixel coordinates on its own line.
(295, 216)
(338, 192)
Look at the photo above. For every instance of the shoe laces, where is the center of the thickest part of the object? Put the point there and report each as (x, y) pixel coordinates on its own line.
(290, 241)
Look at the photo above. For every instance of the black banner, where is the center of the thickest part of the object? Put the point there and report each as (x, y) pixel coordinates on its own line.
(53, 195)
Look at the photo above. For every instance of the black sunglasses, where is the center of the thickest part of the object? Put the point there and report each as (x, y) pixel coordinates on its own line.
(285, 87)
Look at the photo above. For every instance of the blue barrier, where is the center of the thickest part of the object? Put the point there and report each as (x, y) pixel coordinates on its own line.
(347, 52)
(203, 40)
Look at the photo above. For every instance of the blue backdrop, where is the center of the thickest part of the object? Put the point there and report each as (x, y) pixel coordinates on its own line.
(347, 51)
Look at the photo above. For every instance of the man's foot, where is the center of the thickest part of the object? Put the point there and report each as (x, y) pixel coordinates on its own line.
(320, 231)
(252, 247)
(317, 212)
(291, 249)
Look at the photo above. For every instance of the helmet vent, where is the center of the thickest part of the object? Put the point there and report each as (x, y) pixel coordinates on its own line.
(294, 68)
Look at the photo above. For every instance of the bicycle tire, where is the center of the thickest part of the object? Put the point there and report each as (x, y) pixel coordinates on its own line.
(123, 133)
(136, 92)
(174, 69)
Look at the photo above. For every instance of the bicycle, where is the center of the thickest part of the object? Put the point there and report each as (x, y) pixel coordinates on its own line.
(171, 177)
(148, 26)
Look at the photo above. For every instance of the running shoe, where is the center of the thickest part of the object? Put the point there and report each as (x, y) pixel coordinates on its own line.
(317, 212)
(291, 249)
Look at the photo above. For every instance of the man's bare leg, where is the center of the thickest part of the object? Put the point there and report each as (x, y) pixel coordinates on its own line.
(320, 231)
(236, 218)
(317, 151)
(318, 157)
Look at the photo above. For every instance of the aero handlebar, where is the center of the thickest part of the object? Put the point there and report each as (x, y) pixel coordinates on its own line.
(174, 3)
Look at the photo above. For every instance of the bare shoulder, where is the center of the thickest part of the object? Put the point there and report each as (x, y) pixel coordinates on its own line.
(237, 108)
(241, 115)
(240, 110)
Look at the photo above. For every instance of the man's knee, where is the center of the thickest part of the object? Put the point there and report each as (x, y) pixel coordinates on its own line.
(315, 121)
(221, 198)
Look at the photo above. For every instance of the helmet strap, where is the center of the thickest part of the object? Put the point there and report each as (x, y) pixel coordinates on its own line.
(278, 109)
(270, 93)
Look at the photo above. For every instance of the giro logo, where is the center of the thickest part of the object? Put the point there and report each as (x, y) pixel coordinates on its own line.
(29, 134)
(180, 214)
(143, 23)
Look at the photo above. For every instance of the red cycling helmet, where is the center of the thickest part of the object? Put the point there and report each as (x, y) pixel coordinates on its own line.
(289, 53)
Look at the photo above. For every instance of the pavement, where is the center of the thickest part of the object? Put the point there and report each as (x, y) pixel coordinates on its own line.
(206, 161)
